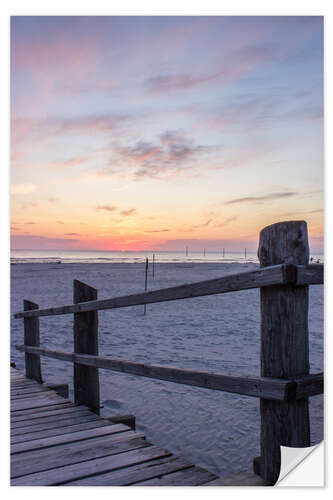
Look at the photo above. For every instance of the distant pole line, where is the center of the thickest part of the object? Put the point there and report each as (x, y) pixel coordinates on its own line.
(146, 280)
(204, 252)
(153, 265)
(245, 254)
(223, 252)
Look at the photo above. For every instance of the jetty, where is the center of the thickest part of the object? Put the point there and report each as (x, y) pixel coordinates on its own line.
(56, 441)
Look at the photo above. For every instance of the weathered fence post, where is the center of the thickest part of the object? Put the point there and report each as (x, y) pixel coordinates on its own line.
(86, 378)
(284, 345)
(31, 337)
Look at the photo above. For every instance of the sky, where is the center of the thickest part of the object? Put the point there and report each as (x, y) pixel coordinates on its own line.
(135, 133)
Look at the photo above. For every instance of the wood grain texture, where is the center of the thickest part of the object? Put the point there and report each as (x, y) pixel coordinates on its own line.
(68, 438)
(86, 378)
(50, 448)
(250, 386)
(284, 344)
(31, 337)
(312, 274)
(43, 423)
(73, 453)
(61, 429)
(131, 475)
(242, 478)
(193, 476)
(61, 475)
(30, 414)
(236, 282)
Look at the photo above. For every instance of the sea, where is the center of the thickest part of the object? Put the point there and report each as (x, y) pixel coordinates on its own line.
(104, 257)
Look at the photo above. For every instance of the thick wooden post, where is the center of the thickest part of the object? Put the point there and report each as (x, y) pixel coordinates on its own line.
(86, 378)
(284, 344)
(31, 337)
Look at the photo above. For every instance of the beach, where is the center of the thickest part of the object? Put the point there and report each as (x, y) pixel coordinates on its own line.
(219, 431)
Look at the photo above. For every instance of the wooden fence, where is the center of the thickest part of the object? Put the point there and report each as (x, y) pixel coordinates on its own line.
(285, 383)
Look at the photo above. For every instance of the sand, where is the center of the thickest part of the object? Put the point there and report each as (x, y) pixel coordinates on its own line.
(216, 430)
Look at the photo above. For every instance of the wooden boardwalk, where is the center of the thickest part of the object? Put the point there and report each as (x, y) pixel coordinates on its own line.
(56, 442)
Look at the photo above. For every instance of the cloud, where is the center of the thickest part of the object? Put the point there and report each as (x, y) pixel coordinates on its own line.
(71, 234)
(130, 211)
(226, 221)
(239, 63)
(60, 222)
(72, 162)
(170, 154)
(108, 208)
(30, 223)
(157, 231)
(52, 200)
(37, 242)
(22, 188)
(205, 224)
(255, 199)
(27, 130)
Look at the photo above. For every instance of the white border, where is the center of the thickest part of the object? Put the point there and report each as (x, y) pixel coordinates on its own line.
(142, 7)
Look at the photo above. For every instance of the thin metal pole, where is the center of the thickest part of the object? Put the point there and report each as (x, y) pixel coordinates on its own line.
(146, 279)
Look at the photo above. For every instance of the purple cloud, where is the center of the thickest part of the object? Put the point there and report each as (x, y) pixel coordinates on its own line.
(38, 242)
(130, 211)
(255, 199)
(170, 154)
(108, 208)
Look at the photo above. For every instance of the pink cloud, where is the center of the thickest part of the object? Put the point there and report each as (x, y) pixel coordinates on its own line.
(130, 211)
(37, 242)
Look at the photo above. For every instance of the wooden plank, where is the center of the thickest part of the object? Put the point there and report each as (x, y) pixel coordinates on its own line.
(61, 389)
(68, 438)
(312, 274)
(66, 454)
(271, 388)
(15, 376)
(127, 419)
(24, 384)
(30, 403)
(52, 410)
(241, 281)
(57, 431)
(46, 412)
(193, 476)
(26, 391)
(32, 395)
(49, 423)
(31, 337)
(61, 475)
(242, 478)
(310, 385)
(284, 344)
(86, 378)
(139, 472)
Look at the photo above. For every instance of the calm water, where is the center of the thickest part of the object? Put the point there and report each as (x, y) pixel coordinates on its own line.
(95, 257)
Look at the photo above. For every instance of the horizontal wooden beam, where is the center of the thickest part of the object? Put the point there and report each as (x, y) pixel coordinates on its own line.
(309, 385)
(268, 276)
(268, 388)
(313, 274)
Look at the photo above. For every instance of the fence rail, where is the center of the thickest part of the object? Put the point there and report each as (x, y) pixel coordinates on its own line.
(285, 383)
(274, 275)
(262, 387)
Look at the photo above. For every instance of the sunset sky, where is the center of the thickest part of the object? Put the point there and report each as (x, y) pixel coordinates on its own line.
(133, 133)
